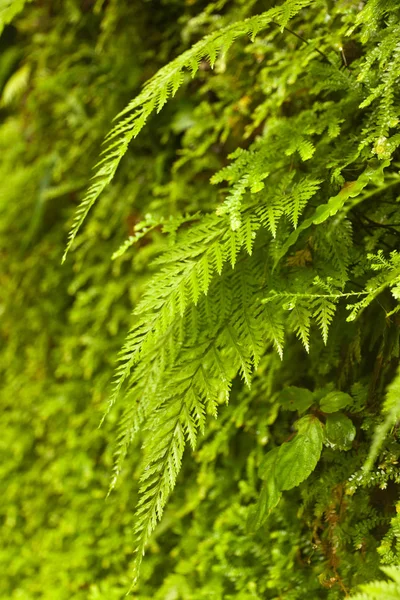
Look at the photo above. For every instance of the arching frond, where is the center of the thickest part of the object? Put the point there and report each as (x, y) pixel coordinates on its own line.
(163, 85)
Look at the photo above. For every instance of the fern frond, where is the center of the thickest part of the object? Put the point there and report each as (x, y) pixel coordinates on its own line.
(298, 197)
(381, 590)
(186, 394)
(389, 277)
(371, 15)
(242, 354)
(274, 324)
(324, 311)
(186, 273)
(319, 304)
(301, 145)
(164, 455)
(391, 408)
(128, 427)
(249, 314)
(335, 245)
(269, 214)
(343, 201)
(140, 231)
(300, 320)
(156, 92)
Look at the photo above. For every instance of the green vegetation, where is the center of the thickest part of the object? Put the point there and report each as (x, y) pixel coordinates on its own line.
(238, 238)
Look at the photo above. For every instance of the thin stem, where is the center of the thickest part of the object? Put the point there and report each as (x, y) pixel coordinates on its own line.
(299, 37)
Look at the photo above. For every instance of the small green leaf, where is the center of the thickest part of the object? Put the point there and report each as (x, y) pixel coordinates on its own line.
(340, 431)
(267, 465)
(295, 398)
(298, 458)
(257, 187)
(335, 401)
(286, 467)
(270, 493)
(268, 499)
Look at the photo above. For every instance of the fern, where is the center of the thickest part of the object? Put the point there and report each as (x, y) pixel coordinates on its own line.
(254, 234)
(380, 590)
(164, 84)
(388, 278)
(179, 413)
(391, 410)
(338, 203)
(164, 457)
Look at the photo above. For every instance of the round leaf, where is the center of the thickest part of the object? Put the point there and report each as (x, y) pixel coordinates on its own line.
(295, 398)
(340, 431)
(335, 401)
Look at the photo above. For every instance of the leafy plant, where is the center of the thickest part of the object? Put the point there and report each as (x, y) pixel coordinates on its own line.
(381, 589)
(252, 230)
